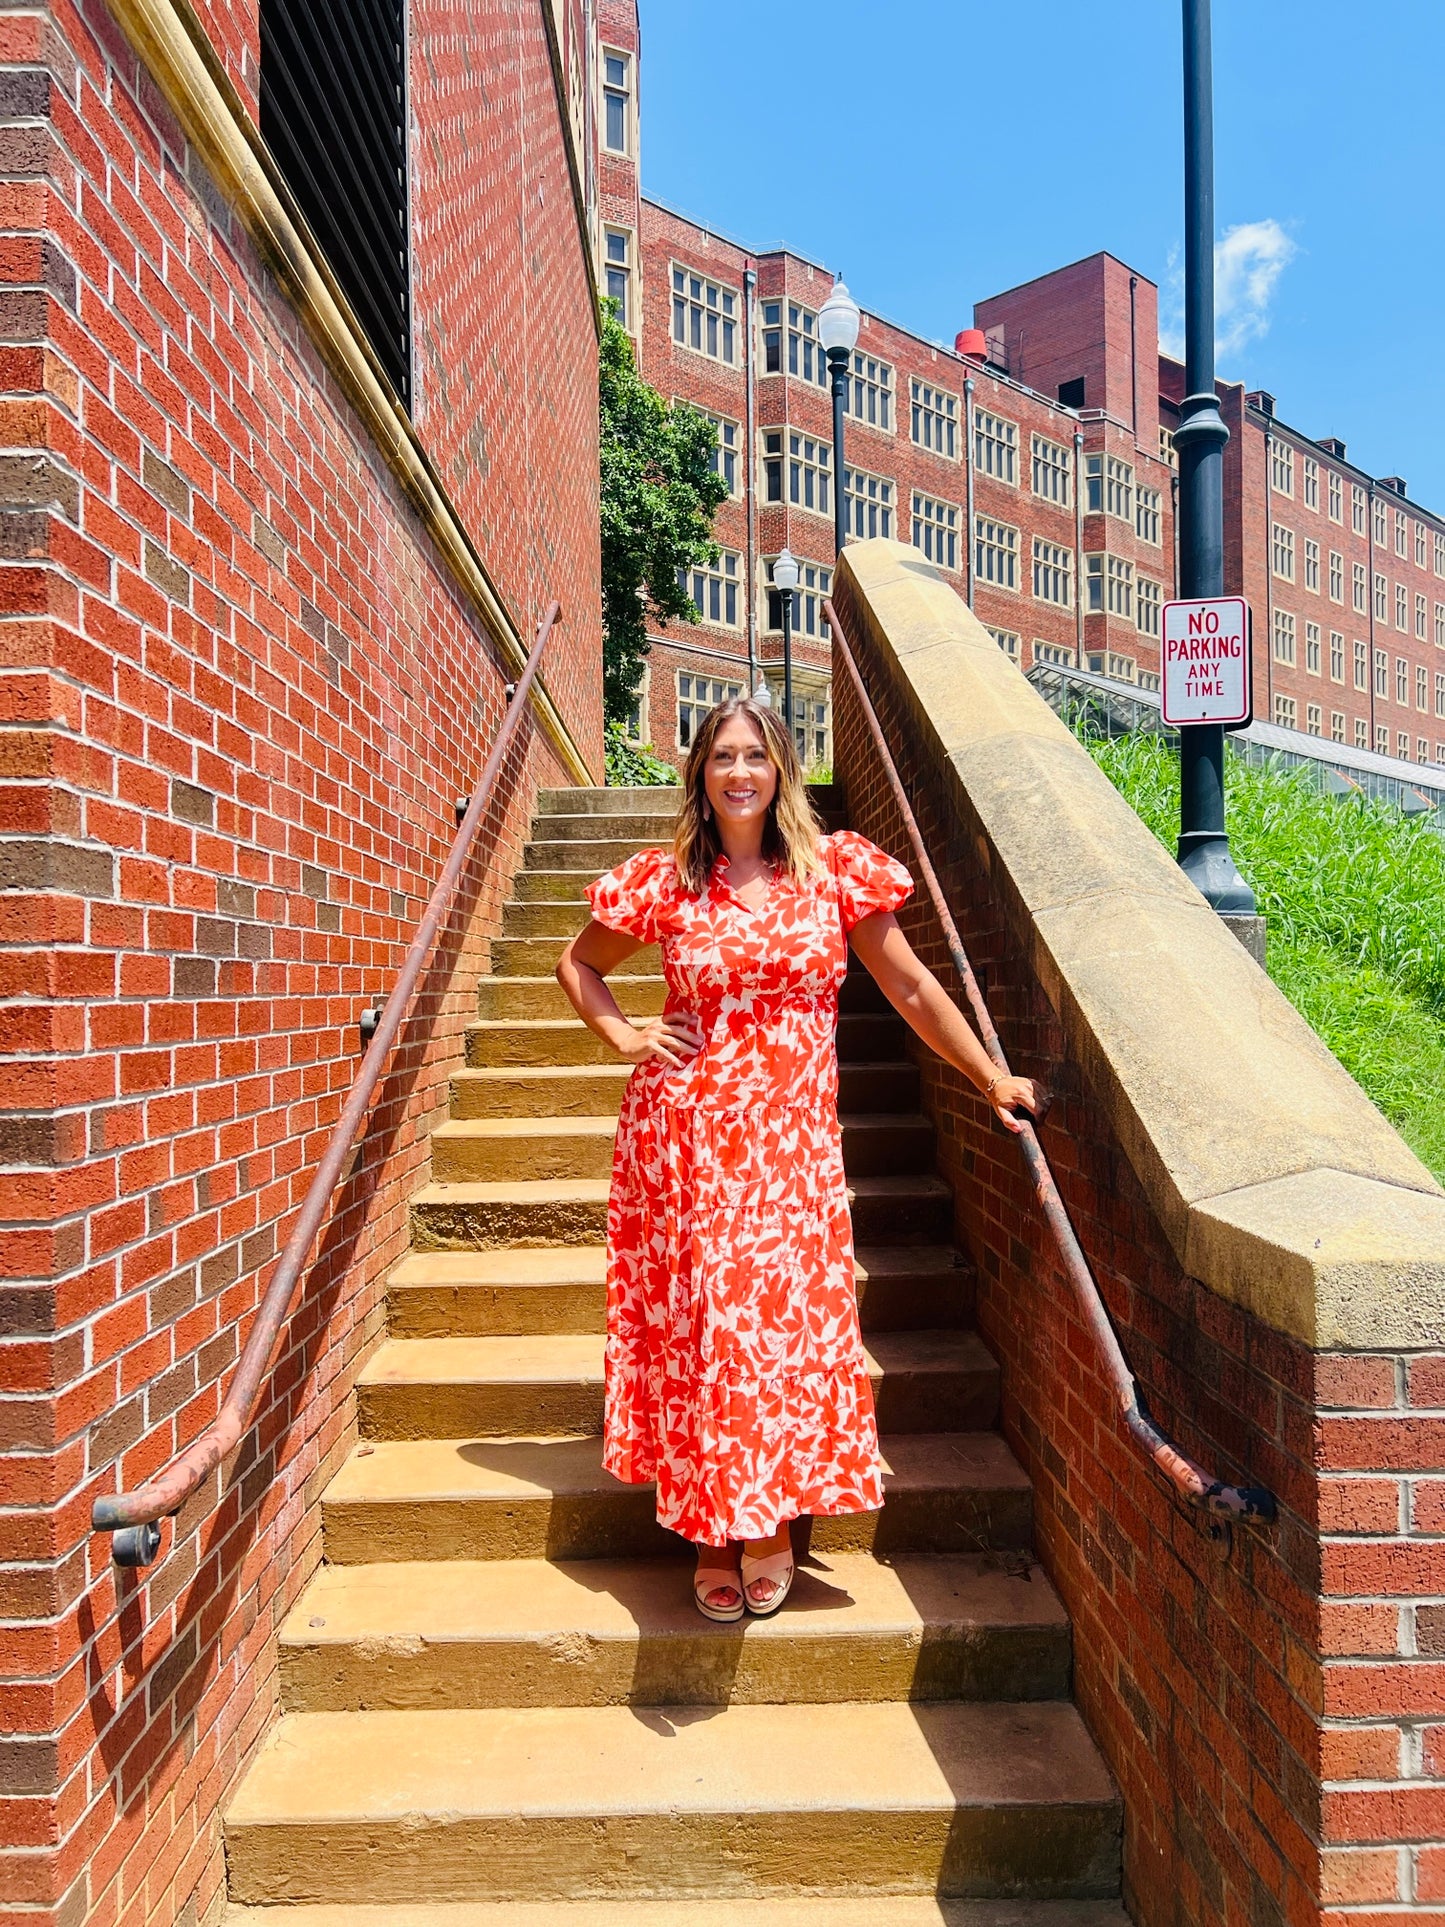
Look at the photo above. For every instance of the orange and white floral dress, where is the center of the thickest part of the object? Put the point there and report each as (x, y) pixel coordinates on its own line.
(735, 1371)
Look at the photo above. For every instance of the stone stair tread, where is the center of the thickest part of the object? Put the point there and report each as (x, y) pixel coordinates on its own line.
(594, 1190)
(447, 1765)
(604, 1123)
(587, 1264)
(842, 1595)
(878, 1910)
(409, 1471)
(577, 1357)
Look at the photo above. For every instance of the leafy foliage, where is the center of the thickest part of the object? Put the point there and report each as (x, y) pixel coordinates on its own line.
(659, 496)
(632, 765)
(1355, 897)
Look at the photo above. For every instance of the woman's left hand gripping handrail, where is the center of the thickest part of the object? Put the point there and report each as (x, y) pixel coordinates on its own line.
(134, 1517)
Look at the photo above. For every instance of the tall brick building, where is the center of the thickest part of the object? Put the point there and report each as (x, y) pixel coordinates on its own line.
(299, 442)
(1032, 461)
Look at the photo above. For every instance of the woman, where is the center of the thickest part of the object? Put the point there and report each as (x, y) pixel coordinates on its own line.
(735, 1371)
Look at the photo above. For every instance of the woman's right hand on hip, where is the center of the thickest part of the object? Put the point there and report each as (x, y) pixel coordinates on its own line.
(670, 1039)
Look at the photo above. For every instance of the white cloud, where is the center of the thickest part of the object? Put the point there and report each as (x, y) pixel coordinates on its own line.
(1248, 263)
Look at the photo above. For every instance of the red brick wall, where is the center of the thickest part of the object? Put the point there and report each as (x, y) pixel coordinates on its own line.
(240, 692)
(1270, 1703)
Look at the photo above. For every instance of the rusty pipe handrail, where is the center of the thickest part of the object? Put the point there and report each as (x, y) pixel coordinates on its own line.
(1253, 1504)
(133, 1516)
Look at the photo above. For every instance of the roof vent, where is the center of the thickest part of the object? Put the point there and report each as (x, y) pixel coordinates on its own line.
(1395, 483)
(972, 342)
(1332, 445)
(1261, 399)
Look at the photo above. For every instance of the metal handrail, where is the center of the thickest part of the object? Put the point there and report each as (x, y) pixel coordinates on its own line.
(134, 1517)
(1252, 1504)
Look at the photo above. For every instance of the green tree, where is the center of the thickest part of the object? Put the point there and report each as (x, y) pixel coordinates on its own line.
(659, 496)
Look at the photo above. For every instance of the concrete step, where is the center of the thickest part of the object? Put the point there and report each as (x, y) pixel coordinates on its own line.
(554, 1211)
(537, 957)
(511, 1293)
(625, 1632)
(499, 1149)
(591, 855)
(556, 920)
(594, 826)
(550, 1386)
(836, 1910)
(649, 800)
(564, 1803)
(595, 1090)
(503, 998)
(551, 1499)
(864, 1037)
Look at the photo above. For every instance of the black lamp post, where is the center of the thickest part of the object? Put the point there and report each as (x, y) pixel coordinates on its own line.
(838, 322)
(1204, 854)
(785, 580)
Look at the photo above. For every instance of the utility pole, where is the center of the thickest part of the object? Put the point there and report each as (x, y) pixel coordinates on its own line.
(1204, 854)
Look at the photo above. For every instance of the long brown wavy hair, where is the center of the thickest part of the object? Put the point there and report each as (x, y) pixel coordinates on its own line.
(790, 836)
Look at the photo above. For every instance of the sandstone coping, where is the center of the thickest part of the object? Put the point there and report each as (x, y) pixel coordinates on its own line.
(1275, 1179)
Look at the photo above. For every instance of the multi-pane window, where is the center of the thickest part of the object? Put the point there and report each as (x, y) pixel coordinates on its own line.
(1362, 665)
(1382, 598)
(935, 530)
(1422, 749)
(805, 472)
(995, 552)
(1439, 554)
(1053, 652)
(1147, 600)
(1440, 692)
(1284, 711)
(1337, 656)
(616, 102)
(704, 315)
(1381, 526)
(1312, 565)
(1167, 451)
(1111, 584)
(1007, 640)
(805, 355)
(1382, 739)
(1362, 733)
(1312, 648)
(867, 504)
(1118, 488)
(869, 394)
(619, 273)
(1440, 625)
(1402, 532)
(995, 446)
(696, 695)
(1053, 467)
(1283, 636)
(1422, 690)
(1421, 547)
(725, 456)
(1422, 613)
(1337, 725)
(1314, 719)
(1146, 514)
(1281, 466)
(1357, 509)
(815, 585)
(1402, 606)
(1120, 668)
(1336, 497)
(1310, 488)
(1402, 682)
(1053, 572)
(1282, 550)
(1361, 587)
(1337, 576)
(1382, 672)
(1402, 745)
(714, 589)
(935, 419)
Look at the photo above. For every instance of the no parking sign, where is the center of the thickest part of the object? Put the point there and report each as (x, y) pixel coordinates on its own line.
(1206, 661)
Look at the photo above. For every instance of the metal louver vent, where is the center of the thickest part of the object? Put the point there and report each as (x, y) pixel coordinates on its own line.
(333, 112)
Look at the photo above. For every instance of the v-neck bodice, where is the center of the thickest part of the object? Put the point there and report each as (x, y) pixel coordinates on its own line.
(762, 981)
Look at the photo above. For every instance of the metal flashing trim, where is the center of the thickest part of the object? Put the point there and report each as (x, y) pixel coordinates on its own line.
(170, 42)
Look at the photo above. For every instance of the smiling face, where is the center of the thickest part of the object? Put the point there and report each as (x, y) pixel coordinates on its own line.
(739, 777)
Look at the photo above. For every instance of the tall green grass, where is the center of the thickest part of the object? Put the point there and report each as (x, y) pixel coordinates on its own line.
(1355, 897)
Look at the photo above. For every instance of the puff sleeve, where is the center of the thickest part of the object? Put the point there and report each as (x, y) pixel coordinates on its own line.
(868, 878)
(633, 897)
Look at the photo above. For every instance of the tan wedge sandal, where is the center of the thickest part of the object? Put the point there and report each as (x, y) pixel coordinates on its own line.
(775, 1568)
(714, 1579)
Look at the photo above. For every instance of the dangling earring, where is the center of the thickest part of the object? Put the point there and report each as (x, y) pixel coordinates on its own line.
(706, 811)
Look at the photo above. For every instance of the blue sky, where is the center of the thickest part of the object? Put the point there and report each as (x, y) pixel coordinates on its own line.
(940, 150)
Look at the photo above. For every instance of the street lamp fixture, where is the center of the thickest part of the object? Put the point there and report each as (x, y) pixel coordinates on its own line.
(785, 579)
(838, 323)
